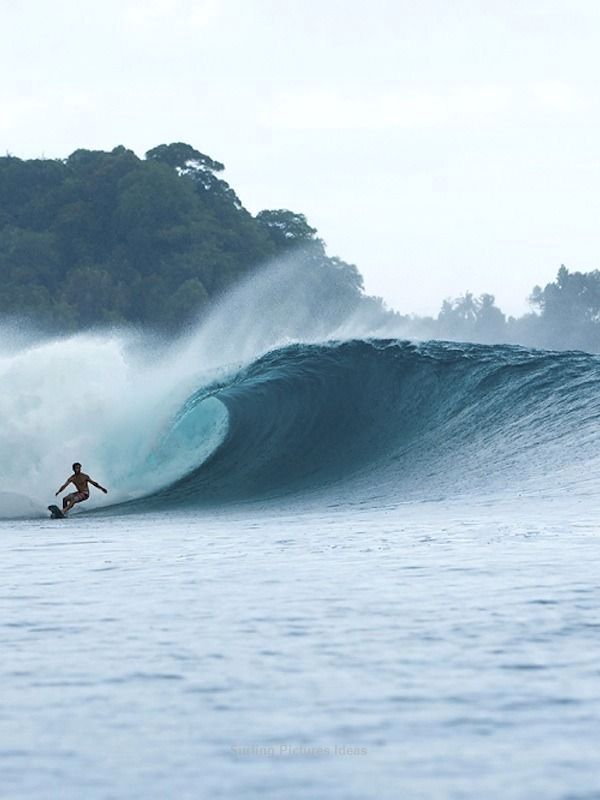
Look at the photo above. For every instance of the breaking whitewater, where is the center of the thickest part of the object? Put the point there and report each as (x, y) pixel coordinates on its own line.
(320, 544)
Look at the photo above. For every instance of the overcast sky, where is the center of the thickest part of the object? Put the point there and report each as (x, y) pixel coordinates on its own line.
(441, 146)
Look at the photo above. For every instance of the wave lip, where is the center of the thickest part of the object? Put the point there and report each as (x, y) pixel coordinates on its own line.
(382, 421)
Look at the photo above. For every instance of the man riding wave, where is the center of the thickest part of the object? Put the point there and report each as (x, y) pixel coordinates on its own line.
(80, 481)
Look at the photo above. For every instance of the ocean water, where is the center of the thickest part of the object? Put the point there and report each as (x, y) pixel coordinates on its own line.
(353, 569)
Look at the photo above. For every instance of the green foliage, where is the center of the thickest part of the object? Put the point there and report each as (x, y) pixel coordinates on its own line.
(571, 305)
(470, 317)
(286, 229)
(107, 237)
(184, 157)
(566, 316)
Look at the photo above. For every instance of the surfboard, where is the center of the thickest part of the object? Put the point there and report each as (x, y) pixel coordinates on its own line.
(56, 512)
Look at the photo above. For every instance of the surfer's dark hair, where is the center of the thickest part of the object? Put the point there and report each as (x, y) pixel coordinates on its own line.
(76, 464)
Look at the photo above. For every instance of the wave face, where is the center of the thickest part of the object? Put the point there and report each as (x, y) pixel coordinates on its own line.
(382, 421)
(365, 421)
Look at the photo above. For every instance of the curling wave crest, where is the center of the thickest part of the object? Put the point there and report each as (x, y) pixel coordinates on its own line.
(270, 398)
(382, 421)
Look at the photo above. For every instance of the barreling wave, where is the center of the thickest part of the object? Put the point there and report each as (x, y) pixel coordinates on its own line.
(382, 421)
(362, 421)
(233, 412)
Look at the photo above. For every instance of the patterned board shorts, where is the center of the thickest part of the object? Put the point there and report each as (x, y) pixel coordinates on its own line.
(78, 497)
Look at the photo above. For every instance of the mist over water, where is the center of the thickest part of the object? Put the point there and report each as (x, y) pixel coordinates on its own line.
(317, 535)
(110, 399)
(263, 398)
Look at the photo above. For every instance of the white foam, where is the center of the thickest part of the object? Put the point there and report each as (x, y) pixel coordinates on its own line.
(109, 399)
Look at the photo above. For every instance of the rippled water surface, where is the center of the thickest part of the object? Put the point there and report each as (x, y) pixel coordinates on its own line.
(429, 650)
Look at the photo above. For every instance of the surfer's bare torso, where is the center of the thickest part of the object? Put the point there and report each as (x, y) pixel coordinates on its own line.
(81, 482)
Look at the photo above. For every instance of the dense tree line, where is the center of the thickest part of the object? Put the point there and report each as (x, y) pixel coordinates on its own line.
(565, 315)
(109, 238)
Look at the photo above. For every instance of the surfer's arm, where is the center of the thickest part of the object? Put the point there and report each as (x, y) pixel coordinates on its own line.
(64, 486)
(97, 485)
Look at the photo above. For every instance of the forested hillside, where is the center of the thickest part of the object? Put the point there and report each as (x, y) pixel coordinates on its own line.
(107, 237)
(103, 238)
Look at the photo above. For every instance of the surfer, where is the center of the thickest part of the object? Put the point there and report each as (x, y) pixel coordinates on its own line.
(80, 481)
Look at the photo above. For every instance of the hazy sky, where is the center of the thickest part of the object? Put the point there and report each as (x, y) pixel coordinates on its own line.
(440, 146)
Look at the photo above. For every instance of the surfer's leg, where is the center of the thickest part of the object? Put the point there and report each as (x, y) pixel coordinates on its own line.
(71, 499)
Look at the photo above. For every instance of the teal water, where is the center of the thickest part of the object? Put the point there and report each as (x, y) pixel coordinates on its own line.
(430, 650)
(359, 569)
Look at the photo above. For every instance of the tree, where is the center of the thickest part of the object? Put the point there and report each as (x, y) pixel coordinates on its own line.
(287, 229)
(197, 166)
(569, 309)
(106, 237)
(471, 318)
(183, 157)
(457, 317)
(490, 322)
(573, 296)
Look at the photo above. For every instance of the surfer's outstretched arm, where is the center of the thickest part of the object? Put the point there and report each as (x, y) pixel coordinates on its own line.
(64, 486)
(97, 485)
